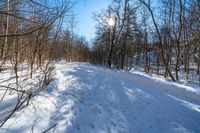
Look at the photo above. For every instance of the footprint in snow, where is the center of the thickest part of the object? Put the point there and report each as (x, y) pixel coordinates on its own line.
(92, 125)
(96, 109)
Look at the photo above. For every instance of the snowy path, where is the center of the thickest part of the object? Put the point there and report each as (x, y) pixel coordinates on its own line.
(91, 99)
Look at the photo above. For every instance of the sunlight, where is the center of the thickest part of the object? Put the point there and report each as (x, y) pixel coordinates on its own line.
(111, 22)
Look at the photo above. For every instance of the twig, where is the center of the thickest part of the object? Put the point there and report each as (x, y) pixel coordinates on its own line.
(22, 91)
(4, 94)
(50, 128)
(18, 105)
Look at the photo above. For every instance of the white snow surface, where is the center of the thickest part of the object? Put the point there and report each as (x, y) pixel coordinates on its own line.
(85, 98)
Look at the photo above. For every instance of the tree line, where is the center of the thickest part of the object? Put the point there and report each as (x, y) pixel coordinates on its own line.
(29, 34)
(162, 37)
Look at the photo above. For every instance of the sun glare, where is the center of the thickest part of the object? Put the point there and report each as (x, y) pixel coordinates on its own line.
(111, 22)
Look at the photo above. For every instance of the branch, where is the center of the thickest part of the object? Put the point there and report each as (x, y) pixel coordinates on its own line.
(16, 16)
(50, 128)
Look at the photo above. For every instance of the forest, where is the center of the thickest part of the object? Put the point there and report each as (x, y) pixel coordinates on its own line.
(159, 38)
(163, 39)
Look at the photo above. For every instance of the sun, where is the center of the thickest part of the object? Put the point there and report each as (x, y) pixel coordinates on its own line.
(111, 22)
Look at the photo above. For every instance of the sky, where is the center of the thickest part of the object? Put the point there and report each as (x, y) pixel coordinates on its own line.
(83, 11)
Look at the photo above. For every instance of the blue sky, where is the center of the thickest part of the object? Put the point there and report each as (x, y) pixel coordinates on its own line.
(84, 10)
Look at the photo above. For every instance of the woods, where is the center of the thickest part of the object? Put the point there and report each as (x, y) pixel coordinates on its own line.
(29, 32)
(162, 37)
(159, 38)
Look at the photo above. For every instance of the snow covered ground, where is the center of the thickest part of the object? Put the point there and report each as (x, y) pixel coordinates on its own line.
(87, 99)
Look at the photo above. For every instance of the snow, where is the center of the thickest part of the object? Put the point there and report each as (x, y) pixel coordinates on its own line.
(89, 99)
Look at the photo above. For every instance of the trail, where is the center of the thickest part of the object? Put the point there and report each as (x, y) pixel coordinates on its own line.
(91, 99)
